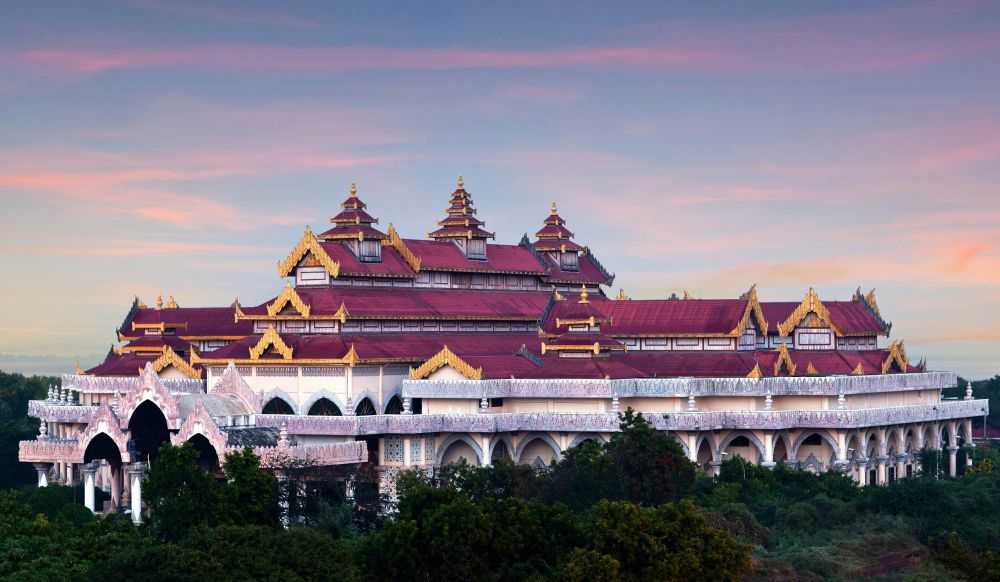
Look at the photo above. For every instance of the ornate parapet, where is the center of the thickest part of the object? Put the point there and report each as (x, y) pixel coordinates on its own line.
(151, 388)
(123, 384)
(49, 451)
(665, 387)
(231, 382)
(54, 412)
(346, 453)
(608, 422)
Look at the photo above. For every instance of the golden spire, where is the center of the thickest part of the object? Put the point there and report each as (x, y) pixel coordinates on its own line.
(159, 302)
(583, 294)
(354, 190)
(622, 296)
(461, 182)
(555, 209)
(171, 303)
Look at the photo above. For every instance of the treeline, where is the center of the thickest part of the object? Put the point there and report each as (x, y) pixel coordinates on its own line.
(15, 425)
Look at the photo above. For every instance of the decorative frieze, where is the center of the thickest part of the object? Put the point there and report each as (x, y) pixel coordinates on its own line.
(678, 387)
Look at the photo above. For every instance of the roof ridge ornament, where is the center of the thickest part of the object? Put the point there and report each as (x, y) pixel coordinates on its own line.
(461, 182)
(441, 359)
(354, 189)
(555, 209)
(583, 294)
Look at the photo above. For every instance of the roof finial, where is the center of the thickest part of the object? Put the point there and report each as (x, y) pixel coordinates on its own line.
(159, 302)
(583, 294)
(461, 182)
(354, 189)
(555, 210)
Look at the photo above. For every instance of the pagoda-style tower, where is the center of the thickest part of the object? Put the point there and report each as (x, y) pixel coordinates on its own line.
(353, 228)
(554, 239)
(461, 225)
(580, 326)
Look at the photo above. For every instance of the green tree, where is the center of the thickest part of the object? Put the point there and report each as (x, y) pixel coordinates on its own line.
(250, 495)
(15, 425)
(179, 493)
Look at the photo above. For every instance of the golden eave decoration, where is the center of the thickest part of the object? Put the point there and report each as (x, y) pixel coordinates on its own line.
(446, 357)
(170, 358)
(859, 370)
(756, 373)
(271, 339)
(811, 304)
(897, 355)
(308, 244)
(811, 370)
(162, 326)
(784, 358)
(288, 295)
(404, 251)
(753, 307)
(622, 296)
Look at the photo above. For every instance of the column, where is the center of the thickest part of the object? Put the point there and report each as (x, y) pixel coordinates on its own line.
(952, 460)
(768, 451)
(43, 473)
(136, 472)
(883, 462)
(69, 474)
(89, 471)
(407, 445)
(714, 468)
(485, 446)
(116, 486)
(901, 465)
(862, 471)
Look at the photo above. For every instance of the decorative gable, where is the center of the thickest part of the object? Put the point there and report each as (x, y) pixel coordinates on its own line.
(170, 358)
(271, 340)
(308, 248)
(287, 297)
(784, 364)
(896, 359)
(446, 358)
(809, 313)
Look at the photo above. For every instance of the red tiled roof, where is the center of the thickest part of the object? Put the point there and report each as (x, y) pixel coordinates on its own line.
(555, 244)
(587, 339)
(554, 231)
(851, 317)
(200, 321)
(444, 256)
(665, 316)
(583, 368)
(460, 232)
(392, 264)
(368, 302)
(342, 231)
(589, 272)
(123, 365)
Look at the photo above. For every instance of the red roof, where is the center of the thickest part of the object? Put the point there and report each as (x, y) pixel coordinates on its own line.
(583, 368)
(351, 230)
(392, 264)
(588, 272)
(850, 316)
(665, 316)
(368, 302)
(199, 321)
(445, 256)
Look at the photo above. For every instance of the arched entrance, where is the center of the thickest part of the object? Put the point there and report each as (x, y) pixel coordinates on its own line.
(324, 407)
(208, 458)
(103, 447)
(277, 406)
(395, 406)
(148, 431)
(365, 408)
(500, 452)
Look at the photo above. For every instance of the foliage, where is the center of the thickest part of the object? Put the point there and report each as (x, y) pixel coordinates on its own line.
(15, 425)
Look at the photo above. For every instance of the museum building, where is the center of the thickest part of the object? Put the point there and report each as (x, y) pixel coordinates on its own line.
(402, 353)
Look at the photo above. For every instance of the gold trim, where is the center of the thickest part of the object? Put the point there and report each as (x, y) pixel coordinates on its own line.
(810, 304)
(870, 300)
(170, 358)
(811, 370)
(269, 339)
(308, 244)
(622, 296)
(897, 354)
(404, 251)
(171, 304)
(446, 357)
(288, 295)
(784, 358)
(756, 372)
(149, 349)
(79, 370)
(139, 304)
(753, 306)
(858, 370)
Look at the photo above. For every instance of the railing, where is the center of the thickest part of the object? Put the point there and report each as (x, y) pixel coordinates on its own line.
(49, 451)
(55, 412)
(352, 452)
(571, 422)
(108, 384)
(661, 387)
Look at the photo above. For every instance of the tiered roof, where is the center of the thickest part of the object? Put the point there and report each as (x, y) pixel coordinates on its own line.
(554, 236)
(578, 313)
(461, 221)
(353, 222)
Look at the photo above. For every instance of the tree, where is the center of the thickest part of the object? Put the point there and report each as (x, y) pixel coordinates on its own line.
(250, 495)
(179, 493)
(15, 425)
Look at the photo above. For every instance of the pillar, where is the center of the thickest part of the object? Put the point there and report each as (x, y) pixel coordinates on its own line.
(69, 474)
(89, 478)
(714, 468)
(952, 460)
(43, 473)
(136, 472)
(484, 441)
(116, 486)
(768, 450)
(901, 465)
(862, 471)
(883, 462)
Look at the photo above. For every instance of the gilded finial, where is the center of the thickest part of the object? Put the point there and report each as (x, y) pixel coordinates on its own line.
(583, 294)
(159, 302)
(461, 182)
(555, 209)
(622, 296)
(559, 296)
(354, 190)
(171, 303)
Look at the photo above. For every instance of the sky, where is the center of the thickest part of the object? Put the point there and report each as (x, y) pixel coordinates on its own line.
(180, 147)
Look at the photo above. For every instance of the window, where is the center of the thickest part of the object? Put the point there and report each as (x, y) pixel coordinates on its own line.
(477, 249)
(371, 251)
(570, 261)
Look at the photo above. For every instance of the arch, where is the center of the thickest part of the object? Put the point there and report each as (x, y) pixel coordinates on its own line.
(394, 405)
(705, 453)
(823, 435)
(278, 393)
(324, 407)
(360, 396)
(587, 436)
(706, 440)
(531, 438)
(102, 446)
(964, 432)
(751, 439)
(208, 458)
(909, 442)
(499, 451)
(872, 446)
(505, 440)
(365, 407)
(682, 443)
(277, 405)
(781, 451)
(324, 394)
(459, 438)
(893, 445)
(147, 427)
(879, 436)
(944, 436)
(929, 441)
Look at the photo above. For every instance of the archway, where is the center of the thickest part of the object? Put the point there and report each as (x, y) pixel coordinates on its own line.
(741, 444)
(365, 408)
(780, 450)
(394, 406)
(538, 451)
(500, 452)
(324, 407)
(148, 431)
(459, 449)
(815, 449)
(103, 447)
(704, 454)
(208, 458)
(277, 405)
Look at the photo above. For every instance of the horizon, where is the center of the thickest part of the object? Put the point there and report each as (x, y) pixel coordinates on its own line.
(181, 148)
